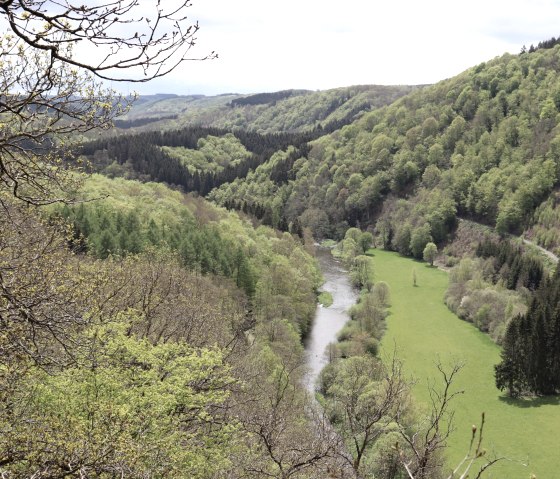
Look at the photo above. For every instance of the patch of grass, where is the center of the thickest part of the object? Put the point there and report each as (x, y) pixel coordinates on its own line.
(425, 331)
(328, 243)
(325, 298)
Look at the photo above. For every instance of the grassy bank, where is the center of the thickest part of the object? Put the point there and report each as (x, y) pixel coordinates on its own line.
(424, 330)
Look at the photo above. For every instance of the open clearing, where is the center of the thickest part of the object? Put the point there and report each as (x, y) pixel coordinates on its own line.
(424, 330)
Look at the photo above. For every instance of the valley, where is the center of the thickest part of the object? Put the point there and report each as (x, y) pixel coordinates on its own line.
(166, 309)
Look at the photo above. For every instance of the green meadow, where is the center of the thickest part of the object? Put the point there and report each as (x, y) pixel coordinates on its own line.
(425, 331)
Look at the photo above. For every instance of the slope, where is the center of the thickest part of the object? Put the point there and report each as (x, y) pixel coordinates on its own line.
(288, 110)
(484, 145)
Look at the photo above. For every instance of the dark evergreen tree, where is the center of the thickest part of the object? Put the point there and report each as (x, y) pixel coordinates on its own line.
(153, 234)
(296, 228)
(105, 244)
(509, 373)
(531, 346)
(283, 224)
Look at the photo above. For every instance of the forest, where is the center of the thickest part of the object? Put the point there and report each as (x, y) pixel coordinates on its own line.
(158, 278)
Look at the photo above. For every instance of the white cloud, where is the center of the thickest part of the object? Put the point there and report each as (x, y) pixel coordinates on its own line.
(265, 46)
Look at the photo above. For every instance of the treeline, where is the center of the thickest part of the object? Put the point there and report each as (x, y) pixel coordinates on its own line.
(408, 226)
(545, 44)
(104, 231)
(143, 158)
(126, 124)
(143, 154)
(264, 98)
(531, 346)
(299, 112)
(495, 286)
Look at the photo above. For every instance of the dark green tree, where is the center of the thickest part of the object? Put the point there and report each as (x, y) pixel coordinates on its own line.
(509, 373)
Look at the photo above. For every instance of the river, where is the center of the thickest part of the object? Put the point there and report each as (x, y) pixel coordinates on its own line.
(328, 321)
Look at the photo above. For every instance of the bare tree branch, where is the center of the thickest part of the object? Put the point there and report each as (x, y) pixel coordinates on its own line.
(52, 62)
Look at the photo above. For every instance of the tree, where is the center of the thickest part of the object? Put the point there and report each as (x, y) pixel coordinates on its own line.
(366, 241)
(126, 407)
(530, 346)
(290, 437)
(430, 252)
(296, 228)
(362, 272)
(419, 238)
(385, 230)
(382, 293)
(401, 242)
(53, 61)
(367, 398)
(427, 441)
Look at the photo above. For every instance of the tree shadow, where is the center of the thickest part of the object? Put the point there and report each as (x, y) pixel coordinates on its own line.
(530, 402)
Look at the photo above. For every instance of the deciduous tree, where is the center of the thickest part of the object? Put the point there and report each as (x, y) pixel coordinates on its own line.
(430, 252)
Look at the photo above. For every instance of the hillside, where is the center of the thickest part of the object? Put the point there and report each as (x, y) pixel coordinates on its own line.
(208, 153)
(155, 334)
(483, 145)
(288, 111)
(158, 279)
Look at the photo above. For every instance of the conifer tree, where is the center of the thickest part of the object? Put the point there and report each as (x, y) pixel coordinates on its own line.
(531, 347)
(508, 372)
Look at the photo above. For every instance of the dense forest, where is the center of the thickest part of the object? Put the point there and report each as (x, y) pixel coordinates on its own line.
(531, 353)
(481, 145)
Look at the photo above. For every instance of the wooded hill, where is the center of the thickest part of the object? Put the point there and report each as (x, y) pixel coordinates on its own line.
(288, 110)
(482, 145)
(156, 334)
(146, 332)
(205, 155)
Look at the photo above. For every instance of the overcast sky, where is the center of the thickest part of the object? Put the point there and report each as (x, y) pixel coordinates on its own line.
(268, 45)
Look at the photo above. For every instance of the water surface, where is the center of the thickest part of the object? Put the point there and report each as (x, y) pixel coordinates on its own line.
(328, 321)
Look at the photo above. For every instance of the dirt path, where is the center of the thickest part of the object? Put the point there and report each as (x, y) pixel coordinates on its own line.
(547, 253)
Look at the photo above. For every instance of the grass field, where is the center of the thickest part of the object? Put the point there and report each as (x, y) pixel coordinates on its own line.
(424, 330)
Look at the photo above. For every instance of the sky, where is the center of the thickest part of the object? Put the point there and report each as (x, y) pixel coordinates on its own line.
(265, 45)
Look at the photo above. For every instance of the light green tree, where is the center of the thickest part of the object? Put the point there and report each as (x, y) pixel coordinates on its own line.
(430, 252)
(366, 241)
(126, 407)
(362, 272)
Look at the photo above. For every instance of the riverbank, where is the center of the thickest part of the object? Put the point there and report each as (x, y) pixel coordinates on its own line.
(425, 331)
